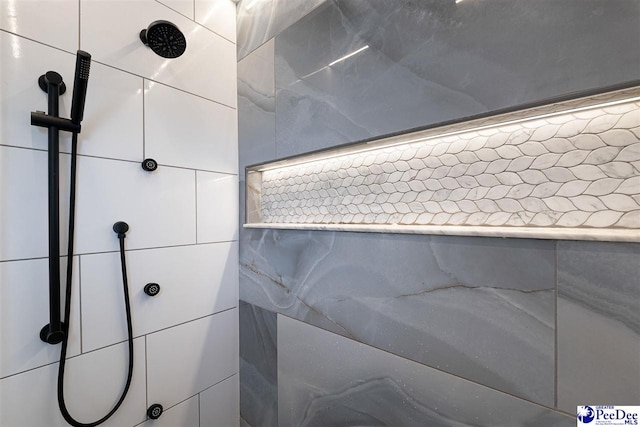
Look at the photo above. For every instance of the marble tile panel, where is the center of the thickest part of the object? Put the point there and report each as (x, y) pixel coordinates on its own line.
(598, 324)
(479, 308)
(256, 107)
(426, 62)
(261, 20)
(258, 366)
(329, 380)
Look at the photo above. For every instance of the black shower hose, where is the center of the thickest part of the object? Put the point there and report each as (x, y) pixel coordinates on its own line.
(67, 305)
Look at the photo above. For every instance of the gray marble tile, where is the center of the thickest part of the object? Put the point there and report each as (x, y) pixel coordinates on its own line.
(598, 324)
(258, 366)
(329, 380)
(431, 61)
(256, 107)
(260, 20)
(480, 308)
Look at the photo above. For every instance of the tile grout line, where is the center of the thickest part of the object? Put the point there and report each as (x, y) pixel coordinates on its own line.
(196, 200)
(273, 37)
(126, 251)
(144, 124)
(122, 342)
(90, 156)
(79, 23)
(120, 69)
(146, 373)
(196, 22)
(164, 329)
(429, 367)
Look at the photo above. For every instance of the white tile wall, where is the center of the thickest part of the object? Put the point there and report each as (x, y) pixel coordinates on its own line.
(186, 359)
(217, 405)
(159, 207)
(23, 211)
(93, 382)
(187, 131)
(195, 281)
(184, 414)
(217, 207)
(25, 17)
(23, 61)
(113, 113)
(110, 32)
(184, 7)
(174, 213)
(218, 16)
(25, 284)
(112, 125)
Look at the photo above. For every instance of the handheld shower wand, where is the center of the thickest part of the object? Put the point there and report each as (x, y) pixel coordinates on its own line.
(53, 85)
(57, 331)
(80, 82)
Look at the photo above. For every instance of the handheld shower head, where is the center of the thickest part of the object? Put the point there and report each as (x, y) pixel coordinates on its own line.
(81, 79)
(164, 38)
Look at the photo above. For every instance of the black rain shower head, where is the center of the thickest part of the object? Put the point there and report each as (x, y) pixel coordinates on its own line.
(164, 38)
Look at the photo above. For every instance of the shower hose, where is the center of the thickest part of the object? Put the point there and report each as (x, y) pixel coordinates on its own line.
(67, 306)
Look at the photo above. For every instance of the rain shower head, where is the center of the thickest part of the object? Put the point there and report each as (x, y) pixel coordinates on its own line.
(164, 38)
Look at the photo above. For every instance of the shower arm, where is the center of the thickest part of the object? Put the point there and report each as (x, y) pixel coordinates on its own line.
(52, 83)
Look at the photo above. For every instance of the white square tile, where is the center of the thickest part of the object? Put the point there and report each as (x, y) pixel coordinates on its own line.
(93, 382)
(184, 7)
(184, 414)
(112, 125)
(220, 404)
(217, 207)
(195, 281)
(207, 68)
(217, 15)
(188, 131)
(30, 18)
(24, 303)
(159, 206)
(186, 359)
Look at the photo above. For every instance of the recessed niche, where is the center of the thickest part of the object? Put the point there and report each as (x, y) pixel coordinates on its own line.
(565, 170)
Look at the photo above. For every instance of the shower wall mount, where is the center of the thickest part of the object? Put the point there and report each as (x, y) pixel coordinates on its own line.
(57, 330)
(53, 84)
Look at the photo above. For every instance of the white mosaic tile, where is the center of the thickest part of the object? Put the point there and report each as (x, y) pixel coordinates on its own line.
(577, 169)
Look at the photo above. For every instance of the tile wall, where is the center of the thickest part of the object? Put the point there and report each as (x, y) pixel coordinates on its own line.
(183, 217)
(495, 325)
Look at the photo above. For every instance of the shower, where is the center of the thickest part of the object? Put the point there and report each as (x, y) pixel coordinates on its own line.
(57, 331)
(164, 38)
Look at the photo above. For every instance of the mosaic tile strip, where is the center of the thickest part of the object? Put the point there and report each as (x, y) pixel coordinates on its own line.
(578, 169)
